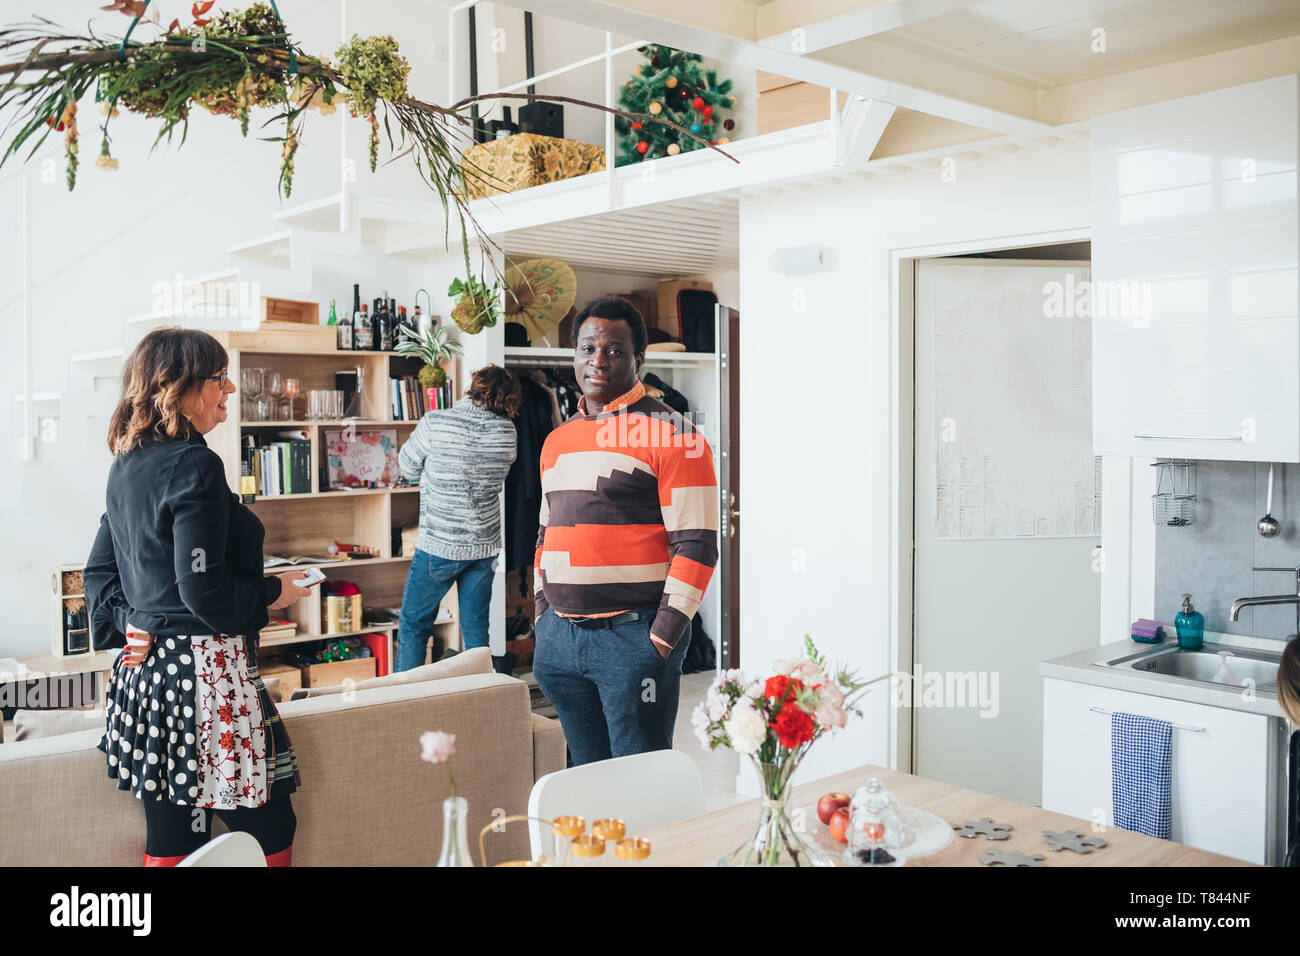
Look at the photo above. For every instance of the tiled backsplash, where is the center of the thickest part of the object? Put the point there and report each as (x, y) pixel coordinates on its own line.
(1212, 558)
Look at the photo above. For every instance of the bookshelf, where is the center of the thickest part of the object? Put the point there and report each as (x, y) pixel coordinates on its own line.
(308, 522)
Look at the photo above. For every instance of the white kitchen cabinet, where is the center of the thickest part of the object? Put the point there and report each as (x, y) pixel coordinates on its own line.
(1224, 791)
(1196, 328)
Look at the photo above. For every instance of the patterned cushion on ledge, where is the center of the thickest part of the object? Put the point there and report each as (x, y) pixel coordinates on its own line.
(526, 159)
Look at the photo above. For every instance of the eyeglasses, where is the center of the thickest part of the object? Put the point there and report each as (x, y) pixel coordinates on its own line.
(221, 379)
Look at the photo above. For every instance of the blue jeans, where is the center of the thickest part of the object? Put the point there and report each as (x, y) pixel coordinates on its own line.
(427, 583)
(615, 695)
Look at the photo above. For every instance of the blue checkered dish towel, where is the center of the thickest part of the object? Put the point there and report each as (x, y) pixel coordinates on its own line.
(1141, 755)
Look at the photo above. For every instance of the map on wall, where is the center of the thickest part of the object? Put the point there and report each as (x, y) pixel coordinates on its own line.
(1013, 407)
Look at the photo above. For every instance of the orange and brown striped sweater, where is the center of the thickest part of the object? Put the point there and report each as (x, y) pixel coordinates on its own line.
(629, 515)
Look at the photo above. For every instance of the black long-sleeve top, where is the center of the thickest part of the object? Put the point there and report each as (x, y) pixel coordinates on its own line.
(177, 552)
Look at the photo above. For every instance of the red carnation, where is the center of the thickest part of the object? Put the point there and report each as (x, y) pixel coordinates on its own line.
(793, 727)
(776, 687)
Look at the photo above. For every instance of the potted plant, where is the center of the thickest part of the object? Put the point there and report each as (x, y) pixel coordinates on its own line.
(476, 309)
(435, 348)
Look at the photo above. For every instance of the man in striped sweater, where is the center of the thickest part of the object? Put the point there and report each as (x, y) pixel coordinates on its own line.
(627, 545)
(460, 456)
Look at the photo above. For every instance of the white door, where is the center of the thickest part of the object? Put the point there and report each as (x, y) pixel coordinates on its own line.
(1007, 512)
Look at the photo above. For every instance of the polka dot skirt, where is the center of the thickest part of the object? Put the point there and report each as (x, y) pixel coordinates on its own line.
(193, 725)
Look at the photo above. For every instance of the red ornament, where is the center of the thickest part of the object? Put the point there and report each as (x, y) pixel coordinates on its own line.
(642, 146)
(707, 111)
(697, 103)
(636, 124)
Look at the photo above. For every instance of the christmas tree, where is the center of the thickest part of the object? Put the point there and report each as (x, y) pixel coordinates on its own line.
(671, 84)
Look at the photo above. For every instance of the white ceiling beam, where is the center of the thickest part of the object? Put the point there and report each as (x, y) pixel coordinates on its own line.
(871, 118)
(790, 29)
(748, 53)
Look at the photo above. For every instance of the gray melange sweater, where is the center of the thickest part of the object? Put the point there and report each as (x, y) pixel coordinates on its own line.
(460, 456)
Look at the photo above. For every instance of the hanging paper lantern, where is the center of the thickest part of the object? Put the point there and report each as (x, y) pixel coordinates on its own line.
(697, 103)
(656, 108)
(671, 82)
(707, 111)
(728, 124)
(695, 128)
(724, 139)
(642, 146)
(673, 149)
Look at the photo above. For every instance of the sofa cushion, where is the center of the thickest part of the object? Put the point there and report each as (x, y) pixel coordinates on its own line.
(34, 724)
(477, 660)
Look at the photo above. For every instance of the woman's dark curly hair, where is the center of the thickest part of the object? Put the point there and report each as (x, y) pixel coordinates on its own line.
(496, 389)
(164, 370)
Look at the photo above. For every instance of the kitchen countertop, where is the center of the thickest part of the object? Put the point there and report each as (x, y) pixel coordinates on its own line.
(1082, 667)
(699, 841)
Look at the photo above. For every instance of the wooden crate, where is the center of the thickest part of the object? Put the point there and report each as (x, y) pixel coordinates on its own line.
(336, 672)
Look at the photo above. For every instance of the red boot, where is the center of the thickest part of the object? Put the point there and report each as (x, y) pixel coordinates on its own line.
(161, 860)
(283, 858)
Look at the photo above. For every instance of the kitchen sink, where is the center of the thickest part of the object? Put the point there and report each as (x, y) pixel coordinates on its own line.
(1201, 665)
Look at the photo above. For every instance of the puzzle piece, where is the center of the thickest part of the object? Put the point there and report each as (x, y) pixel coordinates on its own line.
(985, 826)
(1072, 840)
(1011, 858)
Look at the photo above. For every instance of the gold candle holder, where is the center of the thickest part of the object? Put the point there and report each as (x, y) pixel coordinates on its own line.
(632, 849)
(588, 849)
(611, 829)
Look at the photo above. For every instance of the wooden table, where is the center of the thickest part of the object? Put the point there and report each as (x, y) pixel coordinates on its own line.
(700, 841)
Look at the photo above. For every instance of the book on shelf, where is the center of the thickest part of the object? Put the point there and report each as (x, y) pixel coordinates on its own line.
(409, 400)
(280, 463)
(279, 560)
(278, 627)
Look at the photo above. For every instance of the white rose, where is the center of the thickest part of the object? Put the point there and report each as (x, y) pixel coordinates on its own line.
(746, 728)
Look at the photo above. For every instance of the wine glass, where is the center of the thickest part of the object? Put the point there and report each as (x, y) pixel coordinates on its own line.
(275, 388)
(292, 389)
(252, 380)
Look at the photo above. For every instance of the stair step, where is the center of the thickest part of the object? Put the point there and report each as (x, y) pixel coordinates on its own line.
(321, 215)
(103, 355)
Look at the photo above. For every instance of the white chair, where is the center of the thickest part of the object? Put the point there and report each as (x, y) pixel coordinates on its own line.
(644, 790)
(229, 849)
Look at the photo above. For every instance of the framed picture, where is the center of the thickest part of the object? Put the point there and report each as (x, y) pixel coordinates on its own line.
(360, 456)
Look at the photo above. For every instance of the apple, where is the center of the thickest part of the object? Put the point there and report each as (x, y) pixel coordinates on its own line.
(829, 803)
(840, 825)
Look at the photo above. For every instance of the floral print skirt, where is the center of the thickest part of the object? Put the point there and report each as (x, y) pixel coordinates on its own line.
(193, 724)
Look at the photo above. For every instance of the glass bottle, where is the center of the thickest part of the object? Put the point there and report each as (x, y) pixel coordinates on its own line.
(345, 333)
(361, 331)
(455, 833)
(1190, 625)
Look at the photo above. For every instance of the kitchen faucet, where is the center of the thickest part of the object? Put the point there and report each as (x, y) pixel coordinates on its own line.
(1238, 604)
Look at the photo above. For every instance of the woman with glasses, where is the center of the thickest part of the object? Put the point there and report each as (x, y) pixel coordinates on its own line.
(175, 576)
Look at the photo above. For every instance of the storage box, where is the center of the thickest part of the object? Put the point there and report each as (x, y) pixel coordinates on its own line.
(523, 160)
(667, 318)
(336, 672)
(290, 678)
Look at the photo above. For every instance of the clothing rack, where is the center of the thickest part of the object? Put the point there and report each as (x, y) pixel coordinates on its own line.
(1190, 730)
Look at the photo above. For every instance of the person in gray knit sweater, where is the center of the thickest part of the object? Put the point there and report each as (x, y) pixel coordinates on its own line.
(460, 456)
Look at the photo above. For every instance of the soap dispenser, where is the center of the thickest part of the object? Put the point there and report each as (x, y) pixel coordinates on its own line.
(1190, 625)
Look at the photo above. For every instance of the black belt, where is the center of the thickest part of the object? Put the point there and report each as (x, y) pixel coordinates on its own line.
(592, 623)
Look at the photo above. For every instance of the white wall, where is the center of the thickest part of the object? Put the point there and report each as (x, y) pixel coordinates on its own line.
(97, 252)
(816, 385)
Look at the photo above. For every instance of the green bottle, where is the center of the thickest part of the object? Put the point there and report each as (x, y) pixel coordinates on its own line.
(334, 319)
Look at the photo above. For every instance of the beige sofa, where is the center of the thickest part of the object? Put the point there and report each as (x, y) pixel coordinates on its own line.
(367, 799)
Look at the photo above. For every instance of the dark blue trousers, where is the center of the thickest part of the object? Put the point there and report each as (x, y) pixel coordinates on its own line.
(613, 691)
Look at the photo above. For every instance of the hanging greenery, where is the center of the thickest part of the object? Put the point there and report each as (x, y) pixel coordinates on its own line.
(230, 64)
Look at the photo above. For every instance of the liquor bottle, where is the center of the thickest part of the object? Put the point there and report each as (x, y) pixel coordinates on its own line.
(333, 319)
(362, 333)
(403, 322)
(387, 323)
(376, 324)
(356, 313)
(345, 333)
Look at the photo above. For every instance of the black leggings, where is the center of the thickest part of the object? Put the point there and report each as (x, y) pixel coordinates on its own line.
(174, 830)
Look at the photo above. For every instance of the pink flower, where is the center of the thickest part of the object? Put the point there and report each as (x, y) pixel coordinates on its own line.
(437, 747)
(830, 707)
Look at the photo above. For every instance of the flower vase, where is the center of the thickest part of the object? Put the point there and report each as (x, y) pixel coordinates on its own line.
(776, 840)
(455, 833)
